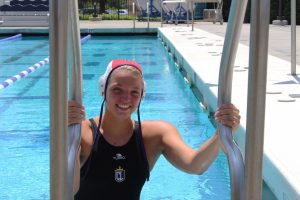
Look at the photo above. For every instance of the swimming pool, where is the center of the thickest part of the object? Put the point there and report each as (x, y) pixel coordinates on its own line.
(24, 112)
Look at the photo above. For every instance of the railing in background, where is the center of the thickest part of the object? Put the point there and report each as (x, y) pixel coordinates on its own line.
(111, 10)
(133, 13)
(193, 13)
(148, 16)
(293, 37)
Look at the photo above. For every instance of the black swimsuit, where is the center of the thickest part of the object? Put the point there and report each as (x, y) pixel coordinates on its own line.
(111, 172)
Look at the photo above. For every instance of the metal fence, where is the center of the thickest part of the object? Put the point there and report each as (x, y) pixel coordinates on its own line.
(123, 9)
(111, 10)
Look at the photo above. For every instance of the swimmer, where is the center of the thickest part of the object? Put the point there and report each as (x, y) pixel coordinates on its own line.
(117, 153)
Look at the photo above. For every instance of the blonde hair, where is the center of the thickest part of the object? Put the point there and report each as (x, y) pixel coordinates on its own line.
(135, 72)
(130, 68)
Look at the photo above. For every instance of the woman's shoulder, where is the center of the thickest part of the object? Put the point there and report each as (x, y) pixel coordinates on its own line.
(156, 123)
(157, 126)
(87, 122)
(86, 130)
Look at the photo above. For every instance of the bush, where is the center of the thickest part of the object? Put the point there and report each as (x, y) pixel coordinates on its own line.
(84, 17)
(115, 17)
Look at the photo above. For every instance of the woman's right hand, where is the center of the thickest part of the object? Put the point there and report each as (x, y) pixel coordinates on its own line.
(76, 113)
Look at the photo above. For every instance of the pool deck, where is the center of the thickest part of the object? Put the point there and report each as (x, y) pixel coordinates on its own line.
(199, 53)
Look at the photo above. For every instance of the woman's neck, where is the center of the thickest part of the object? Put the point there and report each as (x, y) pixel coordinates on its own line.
(116, 131)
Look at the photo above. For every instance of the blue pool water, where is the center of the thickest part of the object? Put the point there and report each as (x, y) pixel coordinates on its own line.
(24, 115)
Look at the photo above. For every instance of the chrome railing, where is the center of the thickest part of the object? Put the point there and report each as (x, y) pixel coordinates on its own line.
(133, 14)
(64, 41)
(58, 99)
(293, 37)
(259, 37)
(75, 92)
(231, 41)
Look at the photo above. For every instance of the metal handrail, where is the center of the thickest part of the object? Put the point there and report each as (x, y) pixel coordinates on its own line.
(293, 37)
(63, 23)
(58, 99)
(193, 10)
(74, 131)
(134, 15)
(234, 156)
(148, 16)
(259, 37)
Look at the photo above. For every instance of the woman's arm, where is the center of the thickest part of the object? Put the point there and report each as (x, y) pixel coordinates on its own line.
(184, 157)
(76, 115)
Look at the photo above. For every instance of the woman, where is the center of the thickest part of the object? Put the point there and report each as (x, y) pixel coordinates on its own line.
(118, 153)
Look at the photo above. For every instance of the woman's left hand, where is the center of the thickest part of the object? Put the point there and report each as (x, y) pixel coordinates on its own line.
(228, 115)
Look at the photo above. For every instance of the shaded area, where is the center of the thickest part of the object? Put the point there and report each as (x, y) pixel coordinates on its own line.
(26, 5)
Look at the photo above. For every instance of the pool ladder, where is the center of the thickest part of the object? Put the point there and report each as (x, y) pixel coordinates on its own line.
(246, 184)
(65, 50)
(62, 165)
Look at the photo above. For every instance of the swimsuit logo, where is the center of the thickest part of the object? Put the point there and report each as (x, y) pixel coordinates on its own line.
(120, 175)
(119, 157)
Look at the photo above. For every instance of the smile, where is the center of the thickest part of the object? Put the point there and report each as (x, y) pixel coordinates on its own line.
(123, 106)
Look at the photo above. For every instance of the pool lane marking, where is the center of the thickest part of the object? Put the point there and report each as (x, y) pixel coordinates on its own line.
(23, 73)
(31, 69)
(85, 39)
(12, 38)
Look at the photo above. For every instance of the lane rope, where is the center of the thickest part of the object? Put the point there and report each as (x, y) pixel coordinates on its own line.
(12, 38)
(32, 68)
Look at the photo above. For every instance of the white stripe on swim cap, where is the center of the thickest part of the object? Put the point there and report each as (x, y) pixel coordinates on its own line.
(114, 64)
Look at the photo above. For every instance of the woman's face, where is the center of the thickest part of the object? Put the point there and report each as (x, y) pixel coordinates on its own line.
(124, 92)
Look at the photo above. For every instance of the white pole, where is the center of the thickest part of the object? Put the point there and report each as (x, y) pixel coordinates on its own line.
(74, 131)
(293, 37)
(133, 8)
(148, 16)
(147, 9)
(187, 15)
(192, 15)
(133, 13)
(58, 99)
(258, 61)
(161, 14)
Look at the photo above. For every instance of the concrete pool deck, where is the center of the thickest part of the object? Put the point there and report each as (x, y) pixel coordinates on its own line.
(199, 52)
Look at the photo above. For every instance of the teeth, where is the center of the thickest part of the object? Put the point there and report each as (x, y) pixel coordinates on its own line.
(123, 106)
